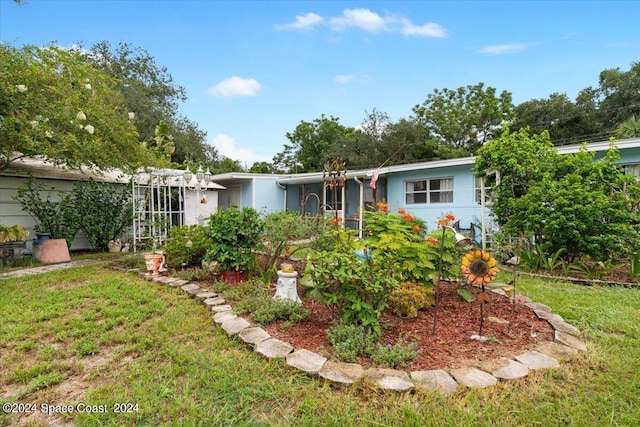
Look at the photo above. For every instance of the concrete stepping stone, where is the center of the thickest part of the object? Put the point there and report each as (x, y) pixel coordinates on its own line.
(389, 379)
(251, 335)
(548, 316)
(223, 316)
(178, 282)
(341, 374)
(570, 340)
(306, 361)
(234, 326)
(434, 380)
(221, 308)
(538, 306)
(273, 348)
(535, 360)
(473, 377)
(511, 370)
(191, 288)
(556, 350)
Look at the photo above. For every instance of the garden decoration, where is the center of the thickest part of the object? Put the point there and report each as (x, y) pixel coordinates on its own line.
(334, 175)
(479, 268)
(514, 261)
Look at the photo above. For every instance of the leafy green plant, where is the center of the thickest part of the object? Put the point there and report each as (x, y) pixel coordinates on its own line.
(103, 210)
(551, 263)
(634, 267)
(192, 274)
(265, 310)
(348, 342)
(530, 258)
(234, 235)
(186, 246)
(395, 355)
(594, 270)
(57, 217)
(411, 297)
(14, 233)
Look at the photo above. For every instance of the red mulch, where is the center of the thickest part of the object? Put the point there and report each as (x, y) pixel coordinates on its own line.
(451, 346)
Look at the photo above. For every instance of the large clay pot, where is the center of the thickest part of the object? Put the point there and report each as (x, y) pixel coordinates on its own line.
(153, 262)
(234, 277)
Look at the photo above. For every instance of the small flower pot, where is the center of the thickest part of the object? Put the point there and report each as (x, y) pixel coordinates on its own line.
(153, 263)
(234, 277)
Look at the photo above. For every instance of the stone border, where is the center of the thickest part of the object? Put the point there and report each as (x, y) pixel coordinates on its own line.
(565, 345)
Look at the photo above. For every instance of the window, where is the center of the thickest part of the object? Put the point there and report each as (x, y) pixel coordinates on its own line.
(488, 193)
(633, 170)
(429, 191)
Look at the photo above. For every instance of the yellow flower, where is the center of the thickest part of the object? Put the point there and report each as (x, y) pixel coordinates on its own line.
(479, 267)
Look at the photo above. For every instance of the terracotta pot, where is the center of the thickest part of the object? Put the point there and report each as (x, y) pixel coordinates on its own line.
(153, 262)
(234, 277)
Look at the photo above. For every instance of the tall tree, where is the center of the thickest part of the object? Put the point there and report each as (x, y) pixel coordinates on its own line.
(312, 143)
(464, 118)
(53, 104)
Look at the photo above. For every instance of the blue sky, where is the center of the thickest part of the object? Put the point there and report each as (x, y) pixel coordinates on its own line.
(254, 69)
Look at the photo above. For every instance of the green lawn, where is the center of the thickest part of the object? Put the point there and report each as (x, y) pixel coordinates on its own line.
(95, 336)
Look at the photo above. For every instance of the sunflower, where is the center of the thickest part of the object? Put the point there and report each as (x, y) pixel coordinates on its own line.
(479, 267)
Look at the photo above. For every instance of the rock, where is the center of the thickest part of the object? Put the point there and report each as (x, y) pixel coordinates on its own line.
(389, 379)
(234, 326)
(473, 377)
(252, 335)
(556, 350)
(535, 360)
(434, 380)
(306, 361)
(341, 374)
(273, 348)
(569, 340)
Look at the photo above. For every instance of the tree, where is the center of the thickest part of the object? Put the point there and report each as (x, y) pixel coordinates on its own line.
(261, 167)
(630, 128)
(618, 97)
(53, 104)
(312, 143)
(464, 118)
(571, 203)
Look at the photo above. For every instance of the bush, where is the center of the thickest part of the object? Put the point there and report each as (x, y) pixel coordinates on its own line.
(395, 355)
(409, 298)
(351, 341)
(186, 246)
(265, 310)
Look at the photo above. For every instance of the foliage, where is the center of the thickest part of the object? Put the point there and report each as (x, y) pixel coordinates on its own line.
(103, 210)
(57, 217)
(348, 342)
(311, 144)
(187, 246)
(409, 298)
(395, 355)
(53, 104)
(14, 233)
(243, 290)
(464, 118)
(234, 234)
(575, 202)
(634, 266)
(594, 270)
(265, 310)
(357, 276)
(552, 262)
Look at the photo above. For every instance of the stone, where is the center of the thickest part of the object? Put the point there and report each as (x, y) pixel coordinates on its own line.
(234, 326)
(569, 340)
(497, 320)
(473, 377)
(221, 308)
(341, 374)
(389, 379)
(562, 326)
(191, 288)
(306, 361)
(538, 306)
(273, 348)
(535, 360)
(511, 371)
(434, 380)
(213, 301)
(556, 350)
(223, 316)
(252, 335)
(548, 316)
(178, 282)
(206, 295)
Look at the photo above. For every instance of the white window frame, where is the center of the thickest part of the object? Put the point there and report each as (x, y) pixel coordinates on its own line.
(477, 190)
(428, 192)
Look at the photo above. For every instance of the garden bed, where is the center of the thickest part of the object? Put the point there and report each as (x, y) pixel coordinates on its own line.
(451, 346)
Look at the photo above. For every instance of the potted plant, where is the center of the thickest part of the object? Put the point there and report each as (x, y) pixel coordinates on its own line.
(15, 233)
(234, 234)
(154, 260)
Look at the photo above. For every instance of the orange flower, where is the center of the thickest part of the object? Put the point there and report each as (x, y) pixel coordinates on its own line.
(408, 217)
(383, 206)
(450, 217)
(432, 240)
(401, 211)
(416, 228)
(444, 222)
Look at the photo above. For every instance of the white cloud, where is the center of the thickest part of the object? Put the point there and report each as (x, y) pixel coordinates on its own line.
(302, 22)
(226, 146)
(503, 49)
(344, 79)
(235, 86)
(430, 29)
(369, 21)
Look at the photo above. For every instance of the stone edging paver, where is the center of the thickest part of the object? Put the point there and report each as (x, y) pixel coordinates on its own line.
(565, 345)
(47, 268)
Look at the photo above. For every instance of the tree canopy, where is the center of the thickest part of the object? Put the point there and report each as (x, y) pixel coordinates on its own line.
(53, 104)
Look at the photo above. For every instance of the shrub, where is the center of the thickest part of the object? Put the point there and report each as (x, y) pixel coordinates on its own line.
(186, 246)
(395, 355)
(348, 342)
(409, 298)
(265, 310)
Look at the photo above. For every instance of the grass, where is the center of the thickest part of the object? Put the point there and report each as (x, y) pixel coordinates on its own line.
(99, 337)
